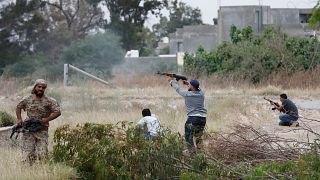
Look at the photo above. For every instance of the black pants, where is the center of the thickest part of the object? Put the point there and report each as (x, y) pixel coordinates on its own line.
(194, 128)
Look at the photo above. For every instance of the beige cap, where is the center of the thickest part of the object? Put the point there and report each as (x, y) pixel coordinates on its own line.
(40, 81)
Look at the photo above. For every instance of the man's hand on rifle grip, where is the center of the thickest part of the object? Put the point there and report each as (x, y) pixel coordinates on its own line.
(185, 82)
(170, 77)
(20, 122)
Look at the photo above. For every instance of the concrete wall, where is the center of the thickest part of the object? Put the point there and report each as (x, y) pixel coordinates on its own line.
(284, 16)
(189, 38)
(291, 21)
(241, 16)
(146, 65)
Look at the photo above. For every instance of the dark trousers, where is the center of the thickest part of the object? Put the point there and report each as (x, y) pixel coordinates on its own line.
(194, 127)
(286, 119)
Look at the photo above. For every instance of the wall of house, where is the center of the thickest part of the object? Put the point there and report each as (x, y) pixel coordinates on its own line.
(189, 38)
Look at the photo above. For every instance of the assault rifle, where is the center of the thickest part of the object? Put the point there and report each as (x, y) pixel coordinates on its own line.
(276, 104)
(29, 125)
(178, 77)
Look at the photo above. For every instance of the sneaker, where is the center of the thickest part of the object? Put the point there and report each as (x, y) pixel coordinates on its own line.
(294, 124)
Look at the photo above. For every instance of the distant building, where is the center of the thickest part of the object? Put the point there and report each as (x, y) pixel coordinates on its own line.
(291, 21)
(189, 38)
(288, 20)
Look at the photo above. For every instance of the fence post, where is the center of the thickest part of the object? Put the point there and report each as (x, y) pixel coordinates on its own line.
(65, 74)
(180, 61)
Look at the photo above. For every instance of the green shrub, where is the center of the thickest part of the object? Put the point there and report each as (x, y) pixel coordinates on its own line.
(119, 151)
(6, 119)
(255, 57)
(165, 50)
(98, 151)
(308, 167)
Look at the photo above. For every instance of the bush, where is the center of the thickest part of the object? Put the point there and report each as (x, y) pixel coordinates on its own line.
(94, 53)
(6, 119)
(165, 50)
(98, 151)
(119, 151)
(255, 57)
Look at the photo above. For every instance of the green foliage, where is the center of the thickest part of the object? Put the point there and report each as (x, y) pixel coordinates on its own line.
(119, 151)
(6, 119)
(98, 151)
(127, 19)
(165, 50)
(148, 43)
(314, 20)
(96, 53)
(308, 167)
(255, 57)
(26, 66)
(21, 27)
(180, 14)
(201, 63)
(238, 35)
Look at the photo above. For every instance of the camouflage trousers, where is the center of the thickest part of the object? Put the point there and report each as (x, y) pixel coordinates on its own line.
(34, 146)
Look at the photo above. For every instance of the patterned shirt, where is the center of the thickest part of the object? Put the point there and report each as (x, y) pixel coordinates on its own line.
(39, 108)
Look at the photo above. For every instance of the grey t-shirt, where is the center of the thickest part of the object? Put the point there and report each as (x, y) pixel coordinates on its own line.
(194, 101)
(290, 107)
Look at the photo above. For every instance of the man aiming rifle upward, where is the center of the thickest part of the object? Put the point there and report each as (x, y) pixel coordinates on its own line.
(291, 115)
(196, 111)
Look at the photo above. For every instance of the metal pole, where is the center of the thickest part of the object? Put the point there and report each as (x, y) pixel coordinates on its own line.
(65, 74)
(89, 75)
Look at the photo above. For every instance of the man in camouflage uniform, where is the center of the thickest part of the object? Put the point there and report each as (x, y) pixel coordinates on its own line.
(38, 106)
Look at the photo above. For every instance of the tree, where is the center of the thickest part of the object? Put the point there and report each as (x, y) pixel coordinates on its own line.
(128, 17)
(314, 20)
(95, 53)
(238, 35)
(70, 20)
(21, 26)
(180, 14)
(28, 27)
(79, 16)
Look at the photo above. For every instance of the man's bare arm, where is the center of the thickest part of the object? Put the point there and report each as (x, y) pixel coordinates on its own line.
(52, 116)
(18, 114)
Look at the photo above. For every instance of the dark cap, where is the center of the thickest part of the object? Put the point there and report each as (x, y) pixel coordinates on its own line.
(195, 83)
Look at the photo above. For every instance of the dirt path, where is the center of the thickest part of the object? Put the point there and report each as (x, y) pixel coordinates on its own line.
(310, 109)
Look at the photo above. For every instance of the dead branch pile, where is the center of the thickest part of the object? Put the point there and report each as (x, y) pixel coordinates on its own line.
(247, 144)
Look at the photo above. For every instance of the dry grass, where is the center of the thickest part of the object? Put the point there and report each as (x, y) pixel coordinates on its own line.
(302, 79)
(228, 103)
(12, 168)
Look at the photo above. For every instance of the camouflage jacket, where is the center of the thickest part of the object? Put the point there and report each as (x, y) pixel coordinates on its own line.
(39, 108)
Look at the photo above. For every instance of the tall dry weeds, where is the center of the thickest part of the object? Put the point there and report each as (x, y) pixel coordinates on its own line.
(11, 167)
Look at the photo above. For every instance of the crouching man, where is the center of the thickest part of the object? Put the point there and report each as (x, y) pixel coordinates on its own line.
(151, 125)
(290, 118)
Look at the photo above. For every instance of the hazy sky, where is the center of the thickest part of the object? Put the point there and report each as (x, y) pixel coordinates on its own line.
(209, 8)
